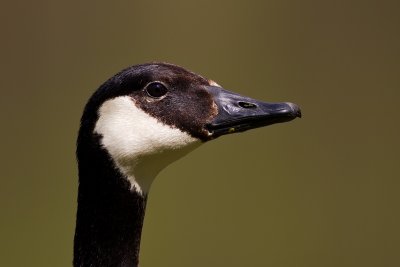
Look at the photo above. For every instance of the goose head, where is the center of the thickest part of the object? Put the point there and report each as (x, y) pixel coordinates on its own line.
(149, 115)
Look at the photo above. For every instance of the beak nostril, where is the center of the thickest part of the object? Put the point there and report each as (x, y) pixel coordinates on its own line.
(247, 105)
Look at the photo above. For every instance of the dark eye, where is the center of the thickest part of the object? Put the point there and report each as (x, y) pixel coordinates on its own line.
(156, 89)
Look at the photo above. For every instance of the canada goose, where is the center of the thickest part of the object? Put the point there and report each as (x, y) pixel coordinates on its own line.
(138, 122)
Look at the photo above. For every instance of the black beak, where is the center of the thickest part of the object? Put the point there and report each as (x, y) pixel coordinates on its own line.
(238, 113)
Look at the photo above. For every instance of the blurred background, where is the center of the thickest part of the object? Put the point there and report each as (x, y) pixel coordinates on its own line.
(319, 191)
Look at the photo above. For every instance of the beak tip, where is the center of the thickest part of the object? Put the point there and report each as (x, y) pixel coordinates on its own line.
(296, 111)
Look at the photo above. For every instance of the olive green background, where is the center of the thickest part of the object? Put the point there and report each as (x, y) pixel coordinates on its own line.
(319, 191)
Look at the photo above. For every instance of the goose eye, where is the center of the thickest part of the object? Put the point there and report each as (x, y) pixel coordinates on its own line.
(156, 89)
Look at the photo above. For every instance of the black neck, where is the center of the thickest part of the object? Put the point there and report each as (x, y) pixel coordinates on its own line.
(110, 215)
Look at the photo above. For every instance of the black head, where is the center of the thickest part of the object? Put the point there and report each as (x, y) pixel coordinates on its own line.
(153, 114)
(172, 94)
(187, 101)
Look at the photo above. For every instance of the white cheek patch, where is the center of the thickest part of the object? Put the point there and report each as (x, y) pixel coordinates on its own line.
(140, 145)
